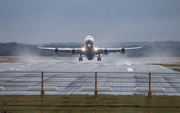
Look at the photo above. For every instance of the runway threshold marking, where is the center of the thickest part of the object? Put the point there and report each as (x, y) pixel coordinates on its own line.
(130, 69)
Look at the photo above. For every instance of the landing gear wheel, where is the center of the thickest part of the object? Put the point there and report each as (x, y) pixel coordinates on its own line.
(98, 58)
(80, 59)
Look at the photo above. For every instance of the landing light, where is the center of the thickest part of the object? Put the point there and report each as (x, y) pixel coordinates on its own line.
(89, 45)
(95, 49)
(83, 49)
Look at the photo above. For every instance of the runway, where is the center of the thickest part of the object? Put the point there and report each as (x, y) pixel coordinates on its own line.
(80, 66)
(19, 76)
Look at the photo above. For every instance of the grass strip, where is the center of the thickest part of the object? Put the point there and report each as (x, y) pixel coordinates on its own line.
(176, 69)
(175, 65)
(85, 103)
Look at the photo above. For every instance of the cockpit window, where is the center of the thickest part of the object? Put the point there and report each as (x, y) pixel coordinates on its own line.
(89, 38)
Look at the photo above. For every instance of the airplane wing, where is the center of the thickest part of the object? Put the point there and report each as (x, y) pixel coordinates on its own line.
(65, 50)
(81, 51)
(46, 48)
(134, 47)
(114, 50)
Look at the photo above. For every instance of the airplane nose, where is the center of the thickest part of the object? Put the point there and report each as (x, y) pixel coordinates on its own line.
(89, 38)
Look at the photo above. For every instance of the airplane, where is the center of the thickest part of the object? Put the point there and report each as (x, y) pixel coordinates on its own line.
(89, 50)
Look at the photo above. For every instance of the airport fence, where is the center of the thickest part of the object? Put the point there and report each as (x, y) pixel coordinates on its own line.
(89, 92)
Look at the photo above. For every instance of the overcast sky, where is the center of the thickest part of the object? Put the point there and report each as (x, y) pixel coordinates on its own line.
(45, 21)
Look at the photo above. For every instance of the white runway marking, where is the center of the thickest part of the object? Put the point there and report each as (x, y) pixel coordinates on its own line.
(119, 64)
(12, 69)
(45, 88)
(65, 63)
(128, 64)
(106, 64)
(130, 69)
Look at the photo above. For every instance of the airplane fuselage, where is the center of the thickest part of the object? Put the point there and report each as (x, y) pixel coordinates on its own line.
(89, 48)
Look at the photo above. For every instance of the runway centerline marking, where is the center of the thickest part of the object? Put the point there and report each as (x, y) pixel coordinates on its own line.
(130, 69)
(106, 64)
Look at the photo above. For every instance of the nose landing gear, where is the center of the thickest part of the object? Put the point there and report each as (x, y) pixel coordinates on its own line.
(99, 58)
(80, 58)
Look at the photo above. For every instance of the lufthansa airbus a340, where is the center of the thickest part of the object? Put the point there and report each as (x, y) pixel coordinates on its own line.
(89, 51)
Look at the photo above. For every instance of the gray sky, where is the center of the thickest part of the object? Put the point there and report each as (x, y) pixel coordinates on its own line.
(45, 21)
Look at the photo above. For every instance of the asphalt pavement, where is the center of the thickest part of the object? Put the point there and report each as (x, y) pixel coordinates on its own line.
(70, 77)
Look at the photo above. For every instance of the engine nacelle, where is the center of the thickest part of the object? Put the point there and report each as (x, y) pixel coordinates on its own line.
(56, 50)
(106, 52)
(73, 52)
(122, 51)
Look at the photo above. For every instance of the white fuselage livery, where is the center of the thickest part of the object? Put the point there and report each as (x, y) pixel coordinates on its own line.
(89, 48)
(89, 51)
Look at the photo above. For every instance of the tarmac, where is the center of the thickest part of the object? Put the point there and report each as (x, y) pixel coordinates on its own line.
(127, 77)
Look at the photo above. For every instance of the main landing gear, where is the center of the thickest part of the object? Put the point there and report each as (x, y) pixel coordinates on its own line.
(99, 58)
(80, 58)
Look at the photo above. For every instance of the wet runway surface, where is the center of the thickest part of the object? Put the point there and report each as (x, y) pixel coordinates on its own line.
(19, 76)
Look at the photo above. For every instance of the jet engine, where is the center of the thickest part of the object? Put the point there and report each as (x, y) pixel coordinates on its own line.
(106, 52)
(56, 50)
(122, 51)
(73, 52)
